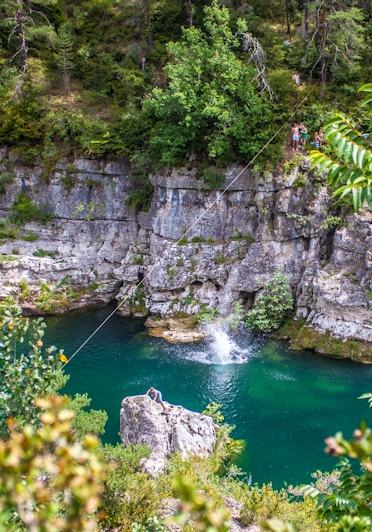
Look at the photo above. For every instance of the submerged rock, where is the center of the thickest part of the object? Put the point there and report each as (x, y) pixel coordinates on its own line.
(175, 330)
(173, 429)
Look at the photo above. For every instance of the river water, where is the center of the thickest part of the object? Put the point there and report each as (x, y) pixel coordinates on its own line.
(283, 403)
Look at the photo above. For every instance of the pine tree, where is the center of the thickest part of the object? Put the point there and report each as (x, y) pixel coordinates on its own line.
(334, 34)
(64, 55)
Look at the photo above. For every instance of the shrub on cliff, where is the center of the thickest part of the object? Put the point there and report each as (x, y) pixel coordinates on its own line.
(24, 210)
(271, 305)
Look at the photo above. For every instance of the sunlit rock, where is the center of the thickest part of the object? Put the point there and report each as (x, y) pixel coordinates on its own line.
(165, 430)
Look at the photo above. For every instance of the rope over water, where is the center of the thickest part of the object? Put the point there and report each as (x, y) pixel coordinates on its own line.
(133, 291)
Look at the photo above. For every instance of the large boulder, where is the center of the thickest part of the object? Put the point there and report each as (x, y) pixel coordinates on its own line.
(165, 430)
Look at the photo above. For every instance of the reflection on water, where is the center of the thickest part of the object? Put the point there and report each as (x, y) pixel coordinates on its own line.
(283, 403)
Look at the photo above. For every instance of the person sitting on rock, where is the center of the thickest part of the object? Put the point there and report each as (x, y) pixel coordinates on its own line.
(155, 395)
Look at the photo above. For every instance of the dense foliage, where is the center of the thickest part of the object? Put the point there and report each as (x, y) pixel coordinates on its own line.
(350, 168)
(26, 371)
(210, 105)
(122, 78)
(29, 372)
(271, 305)
(48, 483)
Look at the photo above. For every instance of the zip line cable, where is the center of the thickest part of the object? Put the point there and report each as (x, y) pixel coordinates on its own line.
(132, 291)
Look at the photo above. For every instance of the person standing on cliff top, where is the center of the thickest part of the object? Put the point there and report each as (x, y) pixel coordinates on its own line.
(155, 395)
(303, 138)
(295, 136)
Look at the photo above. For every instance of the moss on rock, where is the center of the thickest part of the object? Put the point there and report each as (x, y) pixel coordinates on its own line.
(301, 336)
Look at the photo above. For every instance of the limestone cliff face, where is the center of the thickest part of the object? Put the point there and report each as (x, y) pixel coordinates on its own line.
(99, 248)
(68, 262)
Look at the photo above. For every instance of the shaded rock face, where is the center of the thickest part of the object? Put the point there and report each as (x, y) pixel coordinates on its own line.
(96, 248)
(173, 429)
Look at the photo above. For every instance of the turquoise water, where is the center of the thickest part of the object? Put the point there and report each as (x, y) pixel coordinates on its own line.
(284, 404)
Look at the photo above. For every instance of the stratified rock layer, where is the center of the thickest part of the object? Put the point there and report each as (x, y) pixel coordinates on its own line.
(165, 431)
(96, 248)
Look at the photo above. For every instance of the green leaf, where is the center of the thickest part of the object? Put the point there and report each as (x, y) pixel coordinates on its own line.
(366, 88)
(367, 100)
(357, 198)
(341, 146)
(324, 164)
(333, 121)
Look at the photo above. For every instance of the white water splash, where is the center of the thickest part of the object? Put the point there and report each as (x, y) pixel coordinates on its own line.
(220, 349)
(225, 349)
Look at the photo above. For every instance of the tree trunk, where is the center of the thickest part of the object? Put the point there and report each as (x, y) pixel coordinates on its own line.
(287, 17)
(190, 12)
(21, 35)
(306, 21)
(148, 17)
(323, 66)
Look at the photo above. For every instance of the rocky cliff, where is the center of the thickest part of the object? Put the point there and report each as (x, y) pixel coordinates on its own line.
(165, 431)
(95, 248)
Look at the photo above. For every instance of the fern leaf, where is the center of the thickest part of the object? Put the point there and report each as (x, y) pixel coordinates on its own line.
(357, 198)
(342, 191)
(333, 121)
(334, 175)
(309, 491)
(368, 194)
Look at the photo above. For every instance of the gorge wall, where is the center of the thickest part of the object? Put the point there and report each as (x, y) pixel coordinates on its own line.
(95, 248)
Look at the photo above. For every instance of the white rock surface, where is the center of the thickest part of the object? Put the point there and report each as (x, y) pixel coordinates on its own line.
(165, 431)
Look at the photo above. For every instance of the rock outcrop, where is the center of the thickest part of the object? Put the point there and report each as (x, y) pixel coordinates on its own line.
(95, 248)
(173, 429)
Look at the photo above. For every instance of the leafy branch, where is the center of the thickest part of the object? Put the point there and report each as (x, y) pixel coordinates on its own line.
(352, 172)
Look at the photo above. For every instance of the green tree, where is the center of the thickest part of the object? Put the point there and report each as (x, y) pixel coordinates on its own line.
(271, 305)
(211, 105)
(84, 422)
(28, 373)
(350, 169)
(334, 33)
(65, 54)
